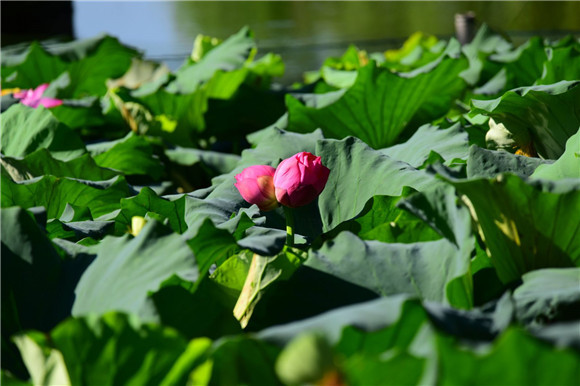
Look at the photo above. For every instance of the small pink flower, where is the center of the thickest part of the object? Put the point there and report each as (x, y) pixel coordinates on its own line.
(255, 184)
(33, 97)
(300, 179)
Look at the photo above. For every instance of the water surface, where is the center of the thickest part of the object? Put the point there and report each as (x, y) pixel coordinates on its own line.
(305, 33)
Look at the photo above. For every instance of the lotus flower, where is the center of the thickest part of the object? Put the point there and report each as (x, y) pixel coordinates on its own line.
(300, 179)
(33, 97)
(255, 184)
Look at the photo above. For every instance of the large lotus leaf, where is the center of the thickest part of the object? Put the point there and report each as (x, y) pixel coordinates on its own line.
(528, 225)
(114, 348)
(149, 202)
(227, 56)
(55, 193)
(563, 64)
(127, 269)
(515, 359)
(383, 108)
(367, 316)
(548, 296)
(567, 166)
(25, 130)
(89, 62)
(538, 117)
(440, 208)
(181, 304)
(383, 221)
(131, 155)
(42, 162)
(524, 64)
(483, 163)
(358, 173)
(449, 143)
(423, 269)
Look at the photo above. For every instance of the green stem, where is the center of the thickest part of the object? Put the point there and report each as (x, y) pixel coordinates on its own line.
(289, 226)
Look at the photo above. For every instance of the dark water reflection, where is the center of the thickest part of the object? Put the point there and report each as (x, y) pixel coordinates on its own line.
(305, 33)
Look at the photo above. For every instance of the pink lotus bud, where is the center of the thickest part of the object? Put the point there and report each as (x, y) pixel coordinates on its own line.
(255, 184)
(34, 98)
(300, 179)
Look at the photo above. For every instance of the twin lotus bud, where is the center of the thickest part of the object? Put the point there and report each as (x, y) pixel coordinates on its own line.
(295, 182)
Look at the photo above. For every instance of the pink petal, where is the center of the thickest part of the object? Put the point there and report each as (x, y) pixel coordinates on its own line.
(50, 102)
(37, 92)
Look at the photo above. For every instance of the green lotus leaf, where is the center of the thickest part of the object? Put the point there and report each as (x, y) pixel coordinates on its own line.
(89, 62)
(123, 349)
(548, 296)
(506, 360)
(54, 193)
(42, 162)
(423, 269)
(562, 64)
(149, 202)
(353, 161)
(383, 108)
(567, 166)
(450, 143)
(132, 155)
(540, 118)
(132, 268)
(483, 163)
(528, 225)
(524, 64)
(25, 130)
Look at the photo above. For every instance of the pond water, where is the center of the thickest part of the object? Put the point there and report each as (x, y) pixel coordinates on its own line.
(304, 32)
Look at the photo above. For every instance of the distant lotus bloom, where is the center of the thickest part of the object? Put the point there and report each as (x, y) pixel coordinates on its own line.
(255, 184)
(300, 179)
(33, 97)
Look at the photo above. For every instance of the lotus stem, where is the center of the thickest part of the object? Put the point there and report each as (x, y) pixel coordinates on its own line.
(289, 226)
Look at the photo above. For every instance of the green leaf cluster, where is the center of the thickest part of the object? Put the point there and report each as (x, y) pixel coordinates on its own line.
(444, 248)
